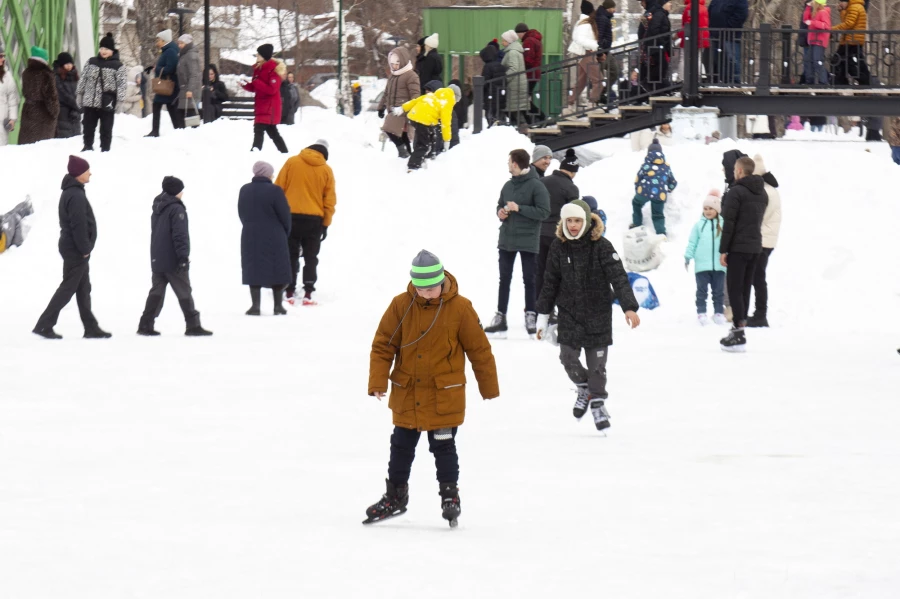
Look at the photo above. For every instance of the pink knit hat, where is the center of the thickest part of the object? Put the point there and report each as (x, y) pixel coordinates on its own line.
(714, 200)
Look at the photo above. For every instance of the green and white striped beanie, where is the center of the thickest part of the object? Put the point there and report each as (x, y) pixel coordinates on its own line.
(427, 270)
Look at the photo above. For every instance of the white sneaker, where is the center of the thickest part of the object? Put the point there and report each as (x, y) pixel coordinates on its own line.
(720, 319)
(703, 319)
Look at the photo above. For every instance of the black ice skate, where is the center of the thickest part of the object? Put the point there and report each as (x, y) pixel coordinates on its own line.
(601, 416)
(531, 323)
(392, 503)
(450, 503)
(735, 341)
(497, 328)
(581, 402)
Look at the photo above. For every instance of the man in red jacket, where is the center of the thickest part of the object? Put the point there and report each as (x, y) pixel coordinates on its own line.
(534, 56)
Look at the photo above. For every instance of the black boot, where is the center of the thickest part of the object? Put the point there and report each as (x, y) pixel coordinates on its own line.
(402, 151)
(392, 503)
(145, 328)
(757, 321)
(277, 293)
(47, 333)
(450, 504)
(95, 332)
(254, 298)
(197, 331)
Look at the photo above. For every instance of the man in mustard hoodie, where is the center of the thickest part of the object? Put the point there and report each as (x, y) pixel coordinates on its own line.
(426, 113)
(308, 184)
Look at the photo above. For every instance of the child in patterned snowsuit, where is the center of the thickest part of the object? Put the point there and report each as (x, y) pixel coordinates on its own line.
(653, 184)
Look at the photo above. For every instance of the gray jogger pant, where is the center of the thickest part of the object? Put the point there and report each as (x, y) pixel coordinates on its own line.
(595, 373)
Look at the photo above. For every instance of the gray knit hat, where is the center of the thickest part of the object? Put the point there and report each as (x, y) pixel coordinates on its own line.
(427, 270)
(540, 152)
(263, 169)
(457, 93)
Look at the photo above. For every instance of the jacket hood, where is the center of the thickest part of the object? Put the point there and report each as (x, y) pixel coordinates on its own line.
(187, 48)
(516, 46)
(728, 160)
(769, 179)
(533, 34)
(449, 291)
(488, 53)
(402, 54)
(651, 157)
(519, 179)
(36, 65)
(70, 181)
(754, 183)
(596, 230)
(163, 201)
(311, 157)
(445, 94)
(857, 2)
(281, 69)
(134, 73)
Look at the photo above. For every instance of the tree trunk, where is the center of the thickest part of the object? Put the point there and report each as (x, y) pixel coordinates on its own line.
(344, 97)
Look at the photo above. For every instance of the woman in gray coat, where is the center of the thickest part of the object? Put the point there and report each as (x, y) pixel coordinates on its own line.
(402, 87)
(518, 100)
(190, 76)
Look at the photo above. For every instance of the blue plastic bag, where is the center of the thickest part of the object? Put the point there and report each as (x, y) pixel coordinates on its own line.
(643, 291)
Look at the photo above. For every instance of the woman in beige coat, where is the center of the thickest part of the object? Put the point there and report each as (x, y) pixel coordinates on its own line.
(132, 103)
(402, 87)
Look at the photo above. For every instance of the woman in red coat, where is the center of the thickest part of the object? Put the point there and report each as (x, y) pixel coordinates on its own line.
(266, 84)
(704, 34)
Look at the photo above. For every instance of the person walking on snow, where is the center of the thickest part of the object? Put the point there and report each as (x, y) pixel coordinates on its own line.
(402, 86)
(266, 219)
(9, 100)
(308, 184)
(103, 83)
(533, 48)
(266, 84)
(653, 183)
(702, 248)
(743, 208)
(426, 113)
(170, 251)
(524, 204)
(166, 70)
(190, 76)
(41, 100)
(77, 236)
(518, 100)
(562, 190)
(421, 346)
(771, 225)
(68, 122)
(585, 43)
(581, 268)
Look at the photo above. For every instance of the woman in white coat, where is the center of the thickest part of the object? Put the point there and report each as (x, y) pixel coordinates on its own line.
(584, 43)
(9, 100)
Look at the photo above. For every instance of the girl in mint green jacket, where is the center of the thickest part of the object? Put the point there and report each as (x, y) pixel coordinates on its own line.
(703, 249)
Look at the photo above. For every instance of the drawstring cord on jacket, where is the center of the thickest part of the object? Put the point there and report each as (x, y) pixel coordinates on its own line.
(408, 308)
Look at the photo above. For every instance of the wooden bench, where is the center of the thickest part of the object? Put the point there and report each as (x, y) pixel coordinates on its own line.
(239, 108)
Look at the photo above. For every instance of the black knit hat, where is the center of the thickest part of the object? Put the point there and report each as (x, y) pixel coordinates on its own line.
(433, 85)
(587, 8)
(64, 58)
(607, 4)
(108, 42)
(570, 162)
(266, 51)
(172, 185)
(521, 28)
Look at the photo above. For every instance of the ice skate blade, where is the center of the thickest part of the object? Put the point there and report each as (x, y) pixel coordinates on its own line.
(454, 523)
(734, 349)
(383, 518)
(497, 335)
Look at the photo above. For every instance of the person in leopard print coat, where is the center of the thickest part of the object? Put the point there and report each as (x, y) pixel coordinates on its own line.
(103, 83)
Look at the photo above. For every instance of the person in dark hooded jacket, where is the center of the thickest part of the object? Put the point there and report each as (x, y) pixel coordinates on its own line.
(170, 251)
(562, 189)
(656, 46)
(493, 69)
(216, 92)
(41, 108)
(429, 64)
(68, 123)
(743, 208)
(583, 273)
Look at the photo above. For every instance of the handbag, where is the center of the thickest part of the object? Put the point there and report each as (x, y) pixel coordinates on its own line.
(192, 121)
(107, 99)
(162, 87)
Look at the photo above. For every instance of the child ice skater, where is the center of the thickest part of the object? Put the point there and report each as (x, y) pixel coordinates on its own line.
(581, 267)
(703, 249)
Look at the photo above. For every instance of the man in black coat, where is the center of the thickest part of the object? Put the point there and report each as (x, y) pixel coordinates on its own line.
(77, 236)
(170, 251)
(743, 208)
(562, 191)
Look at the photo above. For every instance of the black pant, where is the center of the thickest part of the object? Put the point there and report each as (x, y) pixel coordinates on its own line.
(441, 443)
(76, 281)
(507, 262)
(546, 242)
(106, 118)
(272, 130)
(422, 145)
(306, 233)
(739, 280)
(594, 376)
(177, 120)
(401, 141)
(851, 64)
(454, 131)
(181, 285)
(535, 106)
(760, 287)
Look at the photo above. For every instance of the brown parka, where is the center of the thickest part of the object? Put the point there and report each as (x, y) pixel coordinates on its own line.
(424, 341)
(400, 89)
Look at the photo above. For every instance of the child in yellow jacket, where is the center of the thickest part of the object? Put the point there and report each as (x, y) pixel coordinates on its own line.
(426, 113)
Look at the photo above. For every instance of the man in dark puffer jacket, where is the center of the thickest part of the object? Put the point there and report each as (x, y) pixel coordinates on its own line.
(77, 236)
(743, 208)
(170, 250)
(562, 191)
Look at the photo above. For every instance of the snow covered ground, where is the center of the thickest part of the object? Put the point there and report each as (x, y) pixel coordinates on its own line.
(241, 465)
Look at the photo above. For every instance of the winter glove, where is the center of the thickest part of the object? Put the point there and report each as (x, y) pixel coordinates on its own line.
(543, 322)
(183, 266)
(381, 113)
(687, 264)
(399, 111)
(324, 233)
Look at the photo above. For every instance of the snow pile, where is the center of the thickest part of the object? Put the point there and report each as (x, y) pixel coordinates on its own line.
(327, 92)
(241, 465)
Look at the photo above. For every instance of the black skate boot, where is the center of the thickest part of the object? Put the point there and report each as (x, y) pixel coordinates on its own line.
(735, 342)
(531, 323)
(392, 503)
(758, 321)
(601, 416)
(497, 328)
(581, 403)
(449, 493)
